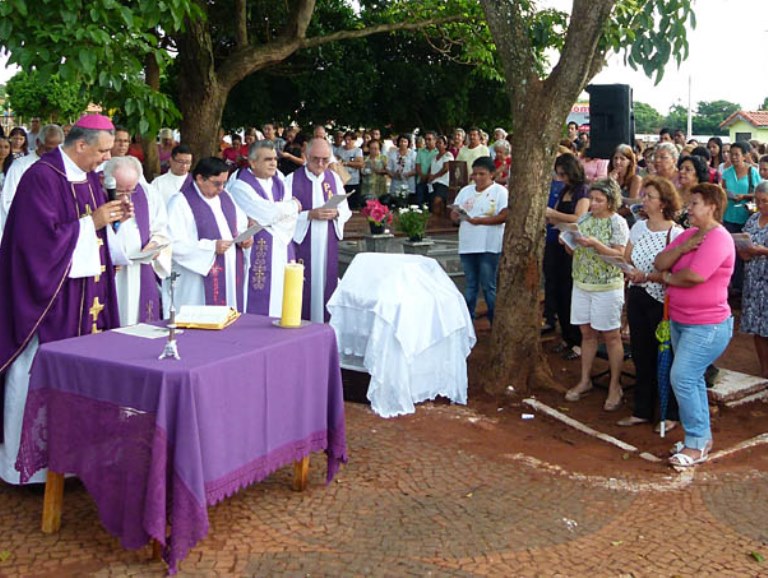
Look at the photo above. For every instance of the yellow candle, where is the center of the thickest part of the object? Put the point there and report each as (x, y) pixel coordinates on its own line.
(292, 289)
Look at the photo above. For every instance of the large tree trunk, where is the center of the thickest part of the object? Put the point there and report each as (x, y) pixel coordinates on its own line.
(149, 141)
(539, 110)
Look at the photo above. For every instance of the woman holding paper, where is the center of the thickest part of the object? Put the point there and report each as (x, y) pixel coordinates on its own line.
(645, 300)
(754, 304)
(598, 288)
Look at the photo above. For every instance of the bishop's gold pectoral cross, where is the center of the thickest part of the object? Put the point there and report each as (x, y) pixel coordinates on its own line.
(95, 309)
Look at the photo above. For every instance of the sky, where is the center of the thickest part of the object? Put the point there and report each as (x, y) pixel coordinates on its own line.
(726, 59)
(725, 62)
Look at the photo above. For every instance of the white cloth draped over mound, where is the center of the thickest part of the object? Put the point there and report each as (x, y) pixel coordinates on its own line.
(401, 318)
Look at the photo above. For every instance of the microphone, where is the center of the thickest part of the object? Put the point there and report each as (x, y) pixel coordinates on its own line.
(110, 184)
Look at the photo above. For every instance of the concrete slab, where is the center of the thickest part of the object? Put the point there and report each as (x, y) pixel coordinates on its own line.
(733, 385)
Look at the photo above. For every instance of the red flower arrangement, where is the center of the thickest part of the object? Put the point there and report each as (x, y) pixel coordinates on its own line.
(377, 213)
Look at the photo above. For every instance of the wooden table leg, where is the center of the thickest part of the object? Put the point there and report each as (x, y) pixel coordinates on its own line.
(301, 474)
(52, 502)
(157, 551)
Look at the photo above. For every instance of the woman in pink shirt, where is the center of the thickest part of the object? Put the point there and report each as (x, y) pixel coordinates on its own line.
(696, 268)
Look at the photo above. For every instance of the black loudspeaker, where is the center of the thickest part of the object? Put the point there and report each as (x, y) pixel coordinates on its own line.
(611, 119)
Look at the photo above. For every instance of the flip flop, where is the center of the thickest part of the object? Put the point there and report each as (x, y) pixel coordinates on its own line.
(574, 395)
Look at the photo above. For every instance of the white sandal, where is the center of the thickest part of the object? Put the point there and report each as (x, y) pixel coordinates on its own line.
(681, 460)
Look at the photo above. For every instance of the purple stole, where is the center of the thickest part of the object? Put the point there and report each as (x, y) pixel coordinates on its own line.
(261, 252)
(38, 242)
(215, 281)
(149, 296)
(302, 190)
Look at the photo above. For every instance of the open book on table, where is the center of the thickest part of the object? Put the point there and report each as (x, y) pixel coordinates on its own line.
(206, 316)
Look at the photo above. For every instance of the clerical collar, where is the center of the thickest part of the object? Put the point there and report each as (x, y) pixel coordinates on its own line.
(313, 177)
(74, 173)
(213, 201)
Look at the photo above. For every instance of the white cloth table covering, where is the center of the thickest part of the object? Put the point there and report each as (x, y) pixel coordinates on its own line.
(409, 324)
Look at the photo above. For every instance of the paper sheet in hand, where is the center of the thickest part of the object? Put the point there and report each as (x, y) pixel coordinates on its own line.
(149, 254)
(145, 330)
(247, 234)
(460, 210)
(569, 232)
(618, 262)
(335, 201)
(742, 240)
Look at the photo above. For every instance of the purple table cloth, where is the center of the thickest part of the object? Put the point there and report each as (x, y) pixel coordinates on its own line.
(157, 442)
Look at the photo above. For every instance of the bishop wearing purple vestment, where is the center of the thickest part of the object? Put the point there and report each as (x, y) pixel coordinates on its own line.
(260, 192)
(318, 230)
(56, 275)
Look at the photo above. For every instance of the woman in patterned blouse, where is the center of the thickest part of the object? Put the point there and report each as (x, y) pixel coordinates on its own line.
(645, 300)
(598, 288)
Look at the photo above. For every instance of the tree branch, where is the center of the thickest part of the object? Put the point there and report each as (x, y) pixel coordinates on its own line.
(510, 33)
(581, 46)
(300, 17)
(244, 62)
(379, 28)
(241, 23)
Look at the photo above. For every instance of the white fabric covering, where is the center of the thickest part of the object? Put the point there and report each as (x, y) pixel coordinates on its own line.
(401, 319)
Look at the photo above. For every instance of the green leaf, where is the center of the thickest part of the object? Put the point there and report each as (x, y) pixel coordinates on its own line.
(88, 60)
(757, 556)
(4, 555)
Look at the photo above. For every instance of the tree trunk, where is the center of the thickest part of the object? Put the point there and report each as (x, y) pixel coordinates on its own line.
(539, 110)
(515, 346)
(149, 141)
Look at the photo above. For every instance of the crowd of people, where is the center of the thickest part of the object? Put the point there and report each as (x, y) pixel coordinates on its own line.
(648, 225)
(674, 214)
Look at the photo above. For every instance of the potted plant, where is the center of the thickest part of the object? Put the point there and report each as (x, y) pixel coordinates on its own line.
(412, 221)
(378, 216)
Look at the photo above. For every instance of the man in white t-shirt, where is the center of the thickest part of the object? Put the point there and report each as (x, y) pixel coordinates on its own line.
(482, 213)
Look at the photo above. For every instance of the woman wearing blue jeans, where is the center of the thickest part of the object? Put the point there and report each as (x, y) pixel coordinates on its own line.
(482, 212)
(696, 267)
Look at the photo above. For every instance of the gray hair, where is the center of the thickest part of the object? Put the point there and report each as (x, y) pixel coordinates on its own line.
(762, 187)
(253, 150)
(502, 144)
(89, 135)
(50, 130)
(669, 148)
(114, 164)
(610, 188)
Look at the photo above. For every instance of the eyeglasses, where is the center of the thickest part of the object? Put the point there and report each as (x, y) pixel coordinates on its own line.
(320, 160)
(219, 184)
(182, 163)
(125, 191)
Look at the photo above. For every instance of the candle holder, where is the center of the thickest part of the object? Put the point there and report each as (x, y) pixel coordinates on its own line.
(171, 350)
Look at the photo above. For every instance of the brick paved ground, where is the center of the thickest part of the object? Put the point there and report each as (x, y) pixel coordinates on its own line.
(410, 504)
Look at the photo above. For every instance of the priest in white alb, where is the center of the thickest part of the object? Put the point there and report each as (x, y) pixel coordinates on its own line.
(318, 229)
(170, 183)
(138, 252)
(259, 190)
(203, 221)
